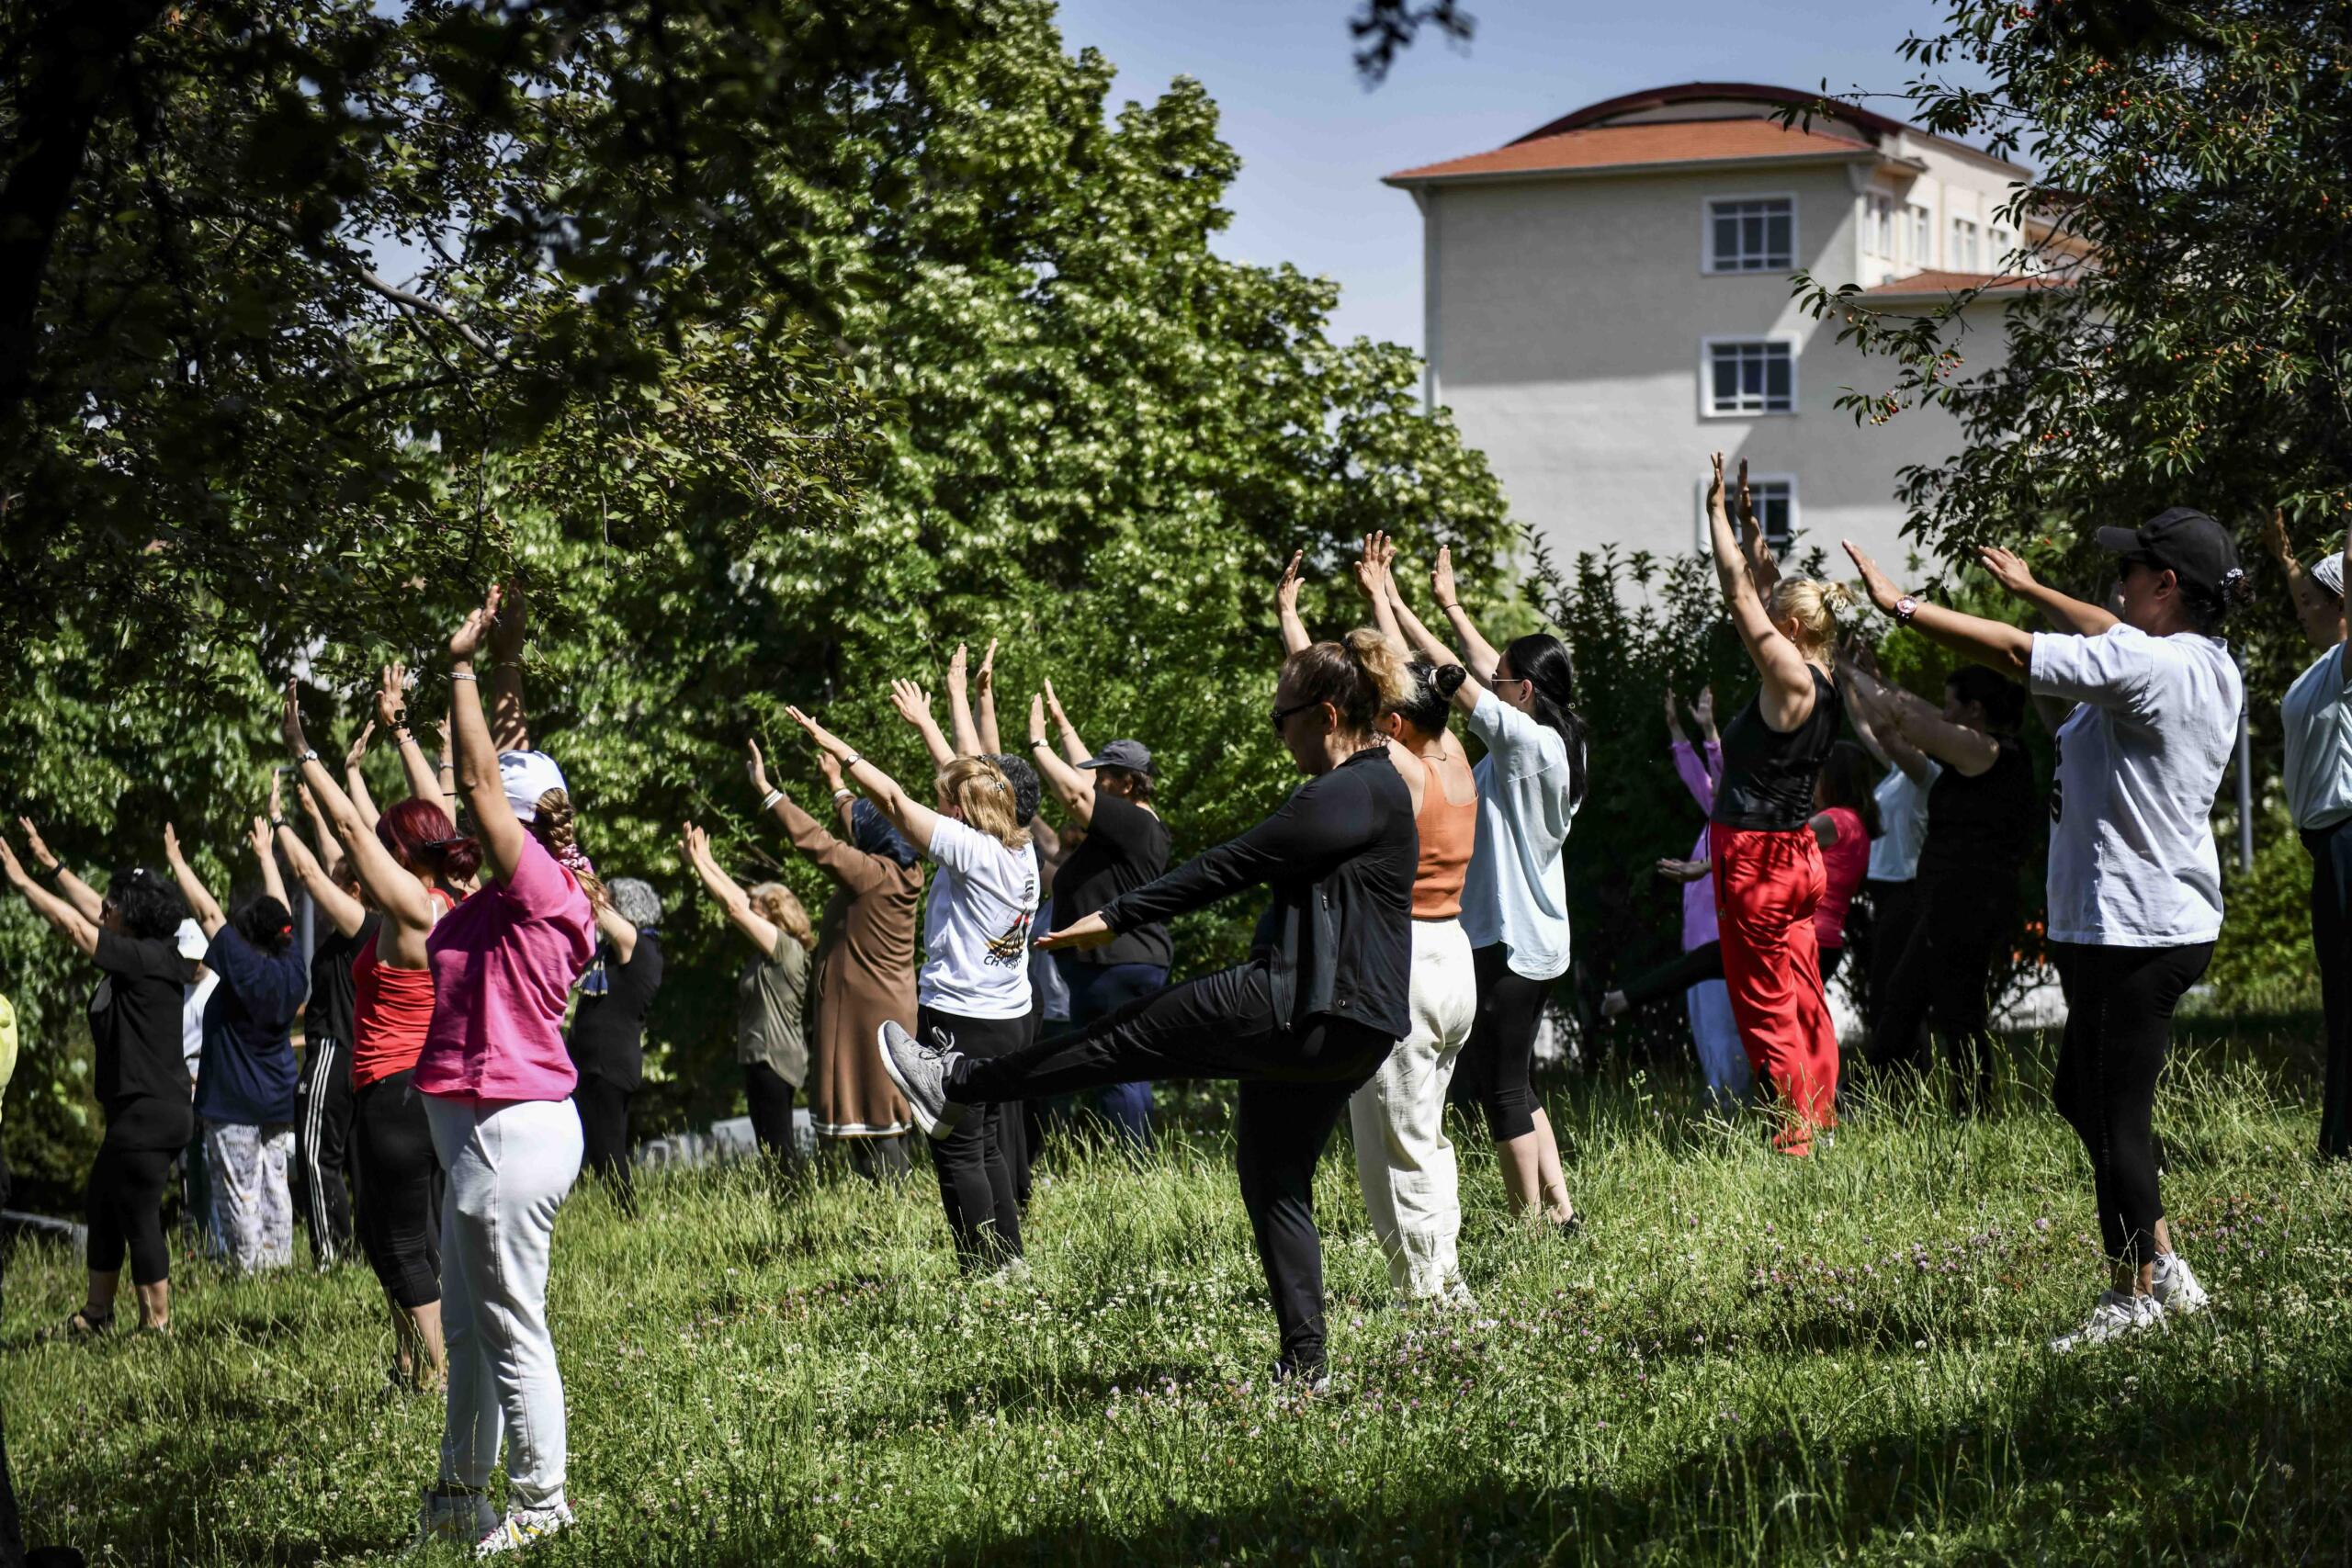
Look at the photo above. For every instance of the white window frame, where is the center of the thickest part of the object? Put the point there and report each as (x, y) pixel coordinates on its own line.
(1796, 511)
(1707, 344)
(1879, 237)
(1963, 259)
(1707, 205)
(1919, 235)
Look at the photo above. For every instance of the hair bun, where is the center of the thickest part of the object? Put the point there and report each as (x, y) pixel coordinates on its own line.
(1447, 678)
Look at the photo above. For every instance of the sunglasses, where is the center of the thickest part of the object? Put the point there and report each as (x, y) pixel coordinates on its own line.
(1283, 715)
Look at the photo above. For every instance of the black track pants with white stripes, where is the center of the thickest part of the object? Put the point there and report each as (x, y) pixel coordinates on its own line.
(323, 1107)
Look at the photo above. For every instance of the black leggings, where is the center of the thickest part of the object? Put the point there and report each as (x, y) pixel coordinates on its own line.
(322, 1109)
(603, 1135)
(1496, 1069)
(127, 1183)
(400, 1191)
(2119, 1026)
(770, 1095)
(1944, 980)
(1295, 1080)
(1705, 962)
(1893, 910)
(975, 1174)
(2331, 850)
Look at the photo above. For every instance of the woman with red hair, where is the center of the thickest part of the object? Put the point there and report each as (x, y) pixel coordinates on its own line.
(409, 868)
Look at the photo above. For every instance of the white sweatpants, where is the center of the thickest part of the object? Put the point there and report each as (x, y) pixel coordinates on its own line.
(510, 1163)
(1721, 1059)
(1411, 1186)
(253, 1207)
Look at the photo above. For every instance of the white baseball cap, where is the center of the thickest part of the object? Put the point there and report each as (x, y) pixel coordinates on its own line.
(525, 777)
(2328, 572)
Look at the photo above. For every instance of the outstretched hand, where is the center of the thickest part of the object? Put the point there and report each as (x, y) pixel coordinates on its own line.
(1747, 501)
(1089, 931)
(290, 726)
(1371, 567)
(171, 845)
(2274, 537)
(696, 844)
(913, 703)
(1441, 579)
(35, 845)
(1673, 714)
(13, 867)
(1881, 587)
(757, 766)
(1036, 718)
(467, 639)
(1681, 870)
(1286, 587)
(1715, 486)
(2009, 567)
(958, 664)
(833, 745)
(359, 752)
(1704, 710)
(258, 838)
(277, 795)
(506, 630)
(1054, 704)
(391, 696)
(830, 766)
(984, 679)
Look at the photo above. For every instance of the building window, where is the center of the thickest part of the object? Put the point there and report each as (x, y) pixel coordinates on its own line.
(1963, 245)
(1878, 213)
(1752, 235)
(1776, 509)
(1997, 244)
(1749, 376)
(1923, 246)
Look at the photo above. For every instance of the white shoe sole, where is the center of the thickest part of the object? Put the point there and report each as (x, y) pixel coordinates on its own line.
(925, 1123)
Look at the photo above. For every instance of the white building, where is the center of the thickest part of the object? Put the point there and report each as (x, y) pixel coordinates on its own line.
(1607, 301)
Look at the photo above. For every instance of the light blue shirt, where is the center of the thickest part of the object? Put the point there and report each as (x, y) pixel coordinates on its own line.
(1516, 892)
(2317, 715)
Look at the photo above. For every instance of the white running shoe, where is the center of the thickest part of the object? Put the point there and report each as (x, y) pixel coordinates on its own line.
(921, 1072)
(2176, 1286)
(2117, 1314)
(525, 1526)
(459, 1515)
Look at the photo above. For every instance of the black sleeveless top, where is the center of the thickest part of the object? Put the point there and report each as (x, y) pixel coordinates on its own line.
(1768, 776)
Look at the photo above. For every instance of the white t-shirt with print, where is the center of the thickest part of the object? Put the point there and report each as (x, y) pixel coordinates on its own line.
(1903, 824)
(2132, 856)
(976, 929)
(1516, 891)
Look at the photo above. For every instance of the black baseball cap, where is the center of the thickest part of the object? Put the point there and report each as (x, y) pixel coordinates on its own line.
(1132, 755)
(2183, 541)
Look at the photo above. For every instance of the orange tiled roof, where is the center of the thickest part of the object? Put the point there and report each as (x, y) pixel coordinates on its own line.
(1937, 281)
(1632, 146)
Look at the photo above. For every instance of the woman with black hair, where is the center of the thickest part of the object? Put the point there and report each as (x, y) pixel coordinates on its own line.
(607, 1038)
(141, 1080)
(1515, 893)
(244, 1091)
(2135, 882)
(1302, 1024)
(865, 965)
(1983, 812)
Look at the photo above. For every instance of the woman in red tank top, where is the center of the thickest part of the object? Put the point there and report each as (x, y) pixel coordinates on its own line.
(409, 862)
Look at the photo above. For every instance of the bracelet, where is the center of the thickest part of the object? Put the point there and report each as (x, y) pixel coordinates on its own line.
(1041, 740)
(465, 676)
(52, 872)
(768, 804)
(842, 794)
(1444, 605)
(305, 755)
(279, 822)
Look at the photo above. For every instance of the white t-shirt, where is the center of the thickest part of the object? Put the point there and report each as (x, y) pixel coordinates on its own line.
(2131, 856)
(1902, 824)
(976, 929)
(192, 1000)
(2317, 714)
(1516, 891)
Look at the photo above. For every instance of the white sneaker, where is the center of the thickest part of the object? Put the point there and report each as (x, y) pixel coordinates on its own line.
(525, 1526)
(2177, 1287)
(1454, 1297)
(2116, 1315)
(921, 1072)
(459, 1515)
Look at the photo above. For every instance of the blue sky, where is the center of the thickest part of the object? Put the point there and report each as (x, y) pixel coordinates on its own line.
(1314, 142)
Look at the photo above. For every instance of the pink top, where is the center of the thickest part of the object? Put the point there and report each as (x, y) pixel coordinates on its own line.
(1698, 775)
(1843, 864)
(503, 962)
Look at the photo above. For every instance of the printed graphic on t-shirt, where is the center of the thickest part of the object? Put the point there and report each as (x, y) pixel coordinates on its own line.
(1009, 945)
(2058, 780)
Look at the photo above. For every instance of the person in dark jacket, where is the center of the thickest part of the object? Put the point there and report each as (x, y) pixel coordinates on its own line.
(607, 1038)
(1306, 1021)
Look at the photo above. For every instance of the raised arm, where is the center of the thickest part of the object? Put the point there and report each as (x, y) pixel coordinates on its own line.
(1074, 787)
(81, 930)
(343, 912)
(1073, 748)
(444, 767)
(1762, 564)
(914, 705)
(200, 902)
(355, 782)
(2323, 618)
(392, 711)
(617, 931)
(1419, 638)
(395, 890)
(508, 727)
(2064, 613)
(71, 888)
(1996, 644)
(500, 832)
(1786, 695)
(843, 860)
(729, 894)
(909, 816)
(1286, 606)
(1481, 654)
(1375, 564)
(959, 706)
(330, 851)
(1866, 707)
(990, 742)
(262, 842)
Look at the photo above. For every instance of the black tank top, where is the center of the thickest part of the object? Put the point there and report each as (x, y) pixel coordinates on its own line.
(1768, 776)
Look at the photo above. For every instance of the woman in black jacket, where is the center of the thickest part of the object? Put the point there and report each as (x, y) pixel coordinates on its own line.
(1304, 1023)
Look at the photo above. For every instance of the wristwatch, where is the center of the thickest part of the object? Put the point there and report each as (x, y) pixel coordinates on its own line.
(1905, 608)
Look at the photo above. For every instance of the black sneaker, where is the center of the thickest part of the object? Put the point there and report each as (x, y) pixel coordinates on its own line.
(920, 1072)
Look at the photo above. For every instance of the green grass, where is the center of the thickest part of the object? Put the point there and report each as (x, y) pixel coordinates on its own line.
(1745, 1357)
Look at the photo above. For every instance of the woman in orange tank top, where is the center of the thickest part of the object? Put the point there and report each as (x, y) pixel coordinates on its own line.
(410, 862)
(1404, 1160)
